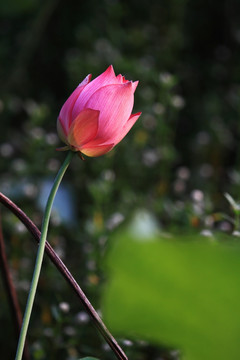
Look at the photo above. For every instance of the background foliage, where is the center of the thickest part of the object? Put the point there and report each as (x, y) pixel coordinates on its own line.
(173, 167)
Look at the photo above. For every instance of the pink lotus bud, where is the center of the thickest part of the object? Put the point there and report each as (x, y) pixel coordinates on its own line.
(97, 115)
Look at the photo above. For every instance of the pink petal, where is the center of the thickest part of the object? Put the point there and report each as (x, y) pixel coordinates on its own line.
(97, 150)
(135, 84)
(106, 78)
(84, 128)
(115, 103)
(120, 134)
(97, 143)
(65, 116)
(121, 79)
(126, 128)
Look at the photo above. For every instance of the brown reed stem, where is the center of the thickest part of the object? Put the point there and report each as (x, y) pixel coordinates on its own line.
(11, 292)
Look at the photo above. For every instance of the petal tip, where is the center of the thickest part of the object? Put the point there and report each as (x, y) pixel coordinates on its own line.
(86, 80)
(135, 84)
(138, 113)
(110, 71)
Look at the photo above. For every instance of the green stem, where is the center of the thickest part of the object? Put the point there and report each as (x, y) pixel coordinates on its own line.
(39, 259)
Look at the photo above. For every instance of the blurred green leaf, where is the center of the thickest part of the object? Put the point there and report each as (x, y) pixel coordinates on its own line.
(88, 358)
(176, 292)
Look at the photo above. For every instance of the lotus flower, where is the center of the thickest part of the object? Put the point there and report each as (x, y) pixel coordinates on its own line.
(97, 115)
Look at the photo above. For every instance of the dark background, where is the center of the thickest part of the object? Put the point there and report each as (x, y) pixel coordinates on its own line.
(175, 164)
